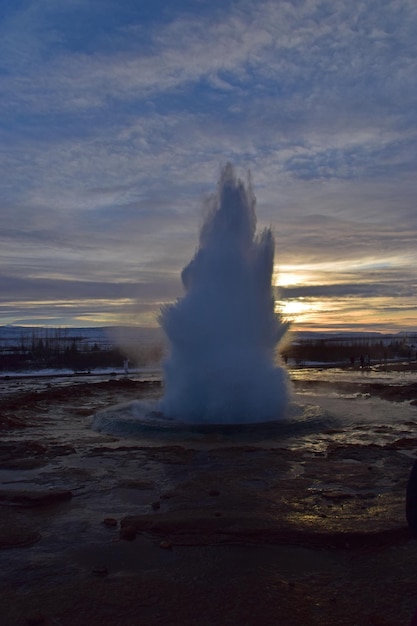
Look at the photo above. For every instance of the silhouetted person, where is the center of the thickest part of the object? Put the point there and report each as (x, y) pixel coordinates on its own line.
(411, 500)
(411, 512)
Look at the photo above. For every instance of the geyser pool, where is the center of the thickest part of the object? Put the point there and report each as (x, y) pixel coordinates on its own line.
(224, 331)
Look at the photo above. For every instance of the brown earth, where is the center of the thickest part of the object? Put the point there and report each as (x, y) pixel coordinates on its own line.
(201, 532)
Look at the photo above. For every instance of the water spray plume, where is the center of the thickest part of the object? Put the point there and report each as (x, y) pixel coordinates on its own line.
(224, 332)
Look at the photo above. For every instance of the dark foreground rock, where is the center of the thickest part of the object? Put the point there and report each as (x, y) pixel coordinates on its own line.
(17, 537)
(197, 527)
(34, 497)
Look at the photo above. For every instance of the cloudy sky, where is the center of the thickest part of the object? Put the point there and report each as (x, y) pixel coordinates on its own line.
(115, 118)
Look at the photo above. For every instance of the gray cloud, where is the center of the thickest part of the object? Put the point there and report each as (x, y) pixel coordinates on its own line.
(368, 289)
(115, 120)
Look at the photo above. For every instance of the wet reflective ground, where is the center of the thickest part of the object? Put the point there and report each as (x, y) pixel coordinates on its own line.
(240, 512)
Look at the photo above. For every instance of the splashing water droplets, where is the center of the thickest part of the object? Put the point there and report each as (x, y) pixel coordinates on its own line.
(224, 331)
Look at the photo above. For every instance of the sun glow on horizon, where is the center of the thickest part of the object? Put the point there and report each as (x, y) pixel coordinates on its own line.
(291, 275)
(347, 313)
(300, 311)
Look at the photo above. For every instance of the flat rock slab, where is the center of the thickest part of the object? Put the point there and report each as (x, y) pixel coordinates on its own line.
(203, 527)
(32, 498)
(16, 529)
(18, 537)
(353, 497)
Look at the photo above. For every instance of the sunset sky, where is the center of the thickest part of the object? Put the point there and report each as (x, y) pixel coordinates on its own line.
(116, 118)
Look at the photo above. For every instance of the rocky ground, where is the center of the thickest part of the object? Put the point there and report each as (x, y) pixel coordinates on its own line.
(198, 531)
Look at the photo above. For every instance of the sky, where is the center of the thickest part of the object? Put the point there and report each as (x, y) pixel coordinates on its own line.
(116, 118)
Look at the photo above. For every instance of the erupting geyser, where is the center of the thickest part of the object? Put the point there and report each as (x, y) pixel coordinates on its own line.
(224, 331)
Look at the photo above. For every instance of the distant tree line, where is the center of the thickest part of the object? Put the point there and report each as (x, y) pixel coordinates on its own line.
(331, 350)
(55, 349)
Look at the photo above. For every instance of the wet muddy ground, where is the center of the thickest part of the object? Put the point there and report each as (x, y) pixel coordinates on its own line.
(205, 528)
